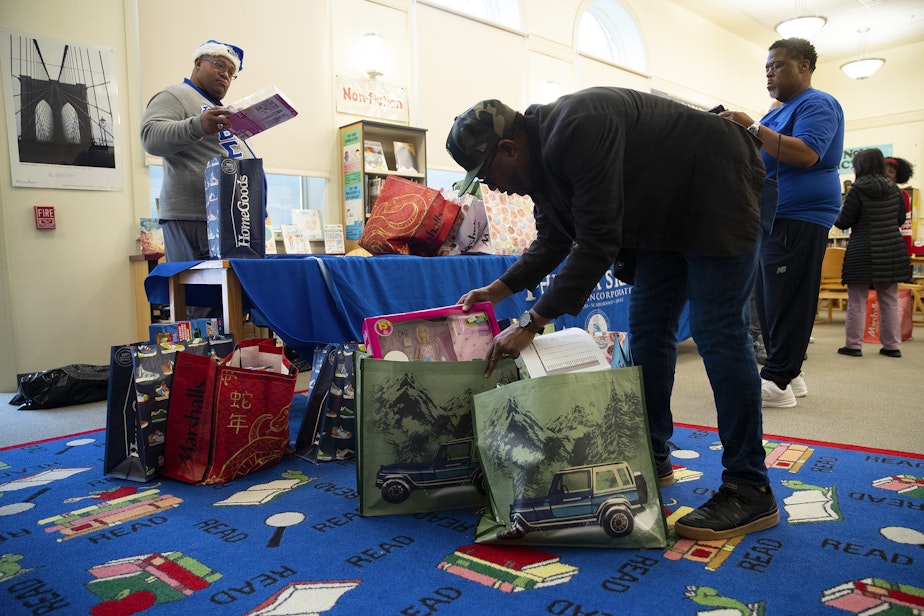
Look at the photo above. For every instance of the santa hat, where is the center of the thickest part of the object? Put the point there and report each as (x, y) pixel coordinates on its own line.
(224, 50)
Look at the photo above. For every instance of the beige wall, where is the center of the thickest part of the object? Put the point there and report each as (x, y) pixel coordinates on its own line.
(66, 295)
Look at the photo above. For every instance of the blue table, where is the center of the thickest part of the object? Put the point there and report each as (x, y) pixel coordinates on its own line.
(309, 299)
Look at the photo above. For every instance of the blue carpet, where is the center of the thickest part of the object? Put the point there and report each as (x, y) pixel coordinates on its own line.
(289, 540)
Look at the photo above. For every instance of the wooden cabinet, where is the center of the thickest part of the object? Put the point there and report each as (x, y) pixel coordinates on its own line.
(369, 153)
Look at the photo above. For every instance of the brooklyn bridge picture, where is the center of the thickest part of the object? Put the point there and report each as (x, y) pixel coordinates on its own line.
(62, 100)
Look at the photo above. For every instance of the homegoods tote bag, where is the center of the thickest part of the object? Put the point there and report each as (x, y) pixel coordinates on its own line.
(568, 462)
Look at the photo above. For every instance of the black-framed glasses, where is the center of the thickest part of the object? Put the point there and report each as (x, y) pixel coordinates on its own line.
(222, 68)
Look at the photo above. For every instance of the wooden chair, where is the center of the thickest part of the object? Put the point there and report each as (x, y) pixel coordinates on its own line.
(917, 300)
(831, 291)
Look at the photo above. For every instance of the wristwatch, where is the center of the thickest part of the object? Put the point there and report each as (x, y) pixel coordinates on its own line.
(526, 322)
(754, 128)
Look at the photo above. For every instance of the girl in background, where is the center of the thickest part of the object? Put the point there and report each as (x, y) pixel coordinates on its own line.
(876, 256)
(900, 171)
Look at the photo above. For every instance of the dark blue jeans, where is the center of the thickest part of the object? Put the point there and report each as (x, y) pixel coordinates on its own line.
(718, 291)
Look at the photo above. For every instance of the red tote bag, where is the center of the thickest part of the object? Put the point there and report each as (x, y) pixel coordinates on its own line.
(408, 218)
(231, 419)
(874, 316)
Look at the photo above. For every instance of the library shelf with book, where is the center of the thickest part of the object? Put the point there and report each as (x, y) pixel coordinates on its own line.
(369, 152)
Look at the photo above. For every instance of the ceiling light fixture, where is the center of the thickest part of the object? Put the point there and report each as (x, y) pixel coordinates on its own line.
(864, 67)
(801, 26)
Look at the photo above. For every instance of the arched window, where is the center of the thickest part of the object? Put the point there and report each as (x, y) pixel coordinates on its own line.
(607, 31)
(44, 122)
(69, 124)
(503, 12)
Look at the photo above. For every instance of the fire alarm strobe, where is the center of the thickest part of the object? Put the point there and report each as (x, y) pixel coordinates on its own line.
(44, 217)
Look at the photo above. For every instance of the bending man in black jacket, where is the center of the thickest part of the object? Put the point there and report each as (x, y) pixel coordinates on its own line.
(596, 165)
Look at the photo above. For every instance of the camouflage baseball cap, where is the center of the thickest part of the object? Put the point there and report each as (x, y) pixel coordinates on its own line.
(475, 133)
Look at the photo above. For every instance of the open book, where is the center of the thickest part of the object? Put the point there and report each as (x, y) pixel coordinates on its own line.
(568, 350)
(261, 110)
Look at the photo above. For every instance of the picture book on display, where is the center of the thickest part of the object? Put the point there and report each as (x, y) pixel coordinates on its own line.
(261, 110)
(334, 243)
(152, 238)
(309, 221)
(405, 157)
(374, 156)
(294, 240)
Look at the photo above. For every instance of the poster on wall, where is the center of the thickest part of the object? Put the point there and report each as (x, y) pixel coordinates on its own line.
(371, 98)
(62, 113)
(846, 164)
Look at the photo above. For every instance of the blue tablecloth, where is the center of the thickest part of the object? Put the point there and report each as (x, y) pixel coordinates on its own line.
(307, 299)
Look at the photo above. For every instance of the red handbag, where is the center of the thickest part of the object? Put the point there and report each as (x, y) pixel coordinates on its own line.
(226, 420)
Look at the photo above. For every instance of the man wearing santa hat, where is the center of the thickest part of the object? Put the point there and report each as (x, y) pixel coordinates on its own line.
(186, 125)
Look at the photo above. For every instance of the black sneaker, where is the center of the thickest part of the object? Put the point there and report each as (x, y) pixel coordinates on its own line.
(665, 471)
(736, 509)
(890, 352)
(851, 352)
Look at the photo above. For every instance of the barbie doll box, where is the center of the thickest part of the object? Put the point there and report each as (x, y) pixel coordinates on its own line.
(437, 334)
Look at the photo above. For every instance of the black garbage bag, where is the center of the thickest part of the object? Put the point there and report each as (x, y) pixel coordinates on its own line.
(66, 386)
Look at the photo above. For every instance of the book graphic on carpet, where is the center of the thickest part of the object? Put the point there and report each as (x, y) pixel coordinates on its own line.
(723, 606)
(906, 485)
(10, 567)
(149, 579)
(262, 493)
(811, 503)
(508, 568)
(789, 456)
(713, 553)
(875, 596)
(40, 479)
(305, 598)
(109, 513)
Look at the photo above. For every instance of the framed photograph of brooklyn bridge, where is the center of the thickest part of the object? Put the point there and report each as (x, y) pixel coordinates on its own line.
(62, 113)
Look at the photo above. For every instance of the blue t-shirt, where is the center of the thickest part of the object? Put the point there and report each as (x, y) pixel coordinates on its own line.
(813, 194)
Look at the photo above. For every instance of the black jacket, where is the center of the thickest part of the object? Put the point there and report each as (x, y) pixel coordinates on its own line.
(874, 212)
(618, 169)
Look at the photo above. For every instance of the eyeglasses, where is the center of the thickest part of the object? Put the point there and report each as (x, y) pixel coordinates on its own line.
(222, 68)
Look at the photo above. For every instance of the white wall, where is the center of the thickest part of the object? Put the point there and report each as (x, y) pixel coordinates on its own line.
(66, 295)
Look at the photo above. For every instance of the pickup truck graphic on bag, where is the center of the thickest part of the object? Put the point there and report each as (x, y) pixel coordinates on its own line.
(455, 464)
(610, 495)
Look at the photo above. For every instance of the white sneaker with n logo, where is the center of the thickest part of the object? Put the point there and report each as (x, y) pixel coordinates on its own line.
(774, 397)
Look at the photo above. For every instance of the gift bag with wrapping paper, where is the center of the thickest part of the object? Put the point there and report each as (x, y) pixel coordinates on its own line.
(408, 218)
(511, 223)
(874, 316)
(140, 380)
(328, 429)
(473, 235)
(228, 420)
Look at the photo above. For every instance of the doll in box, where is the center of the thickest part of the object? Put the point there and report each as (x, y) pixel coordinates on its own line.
(428, 349)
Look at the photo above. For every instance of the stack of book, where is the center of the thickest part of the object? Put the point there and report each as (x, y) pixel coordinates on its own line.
(508, 568)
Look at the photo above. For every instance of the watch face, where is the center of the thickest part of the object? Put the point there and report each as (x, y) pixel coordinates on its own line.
(526, 322)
